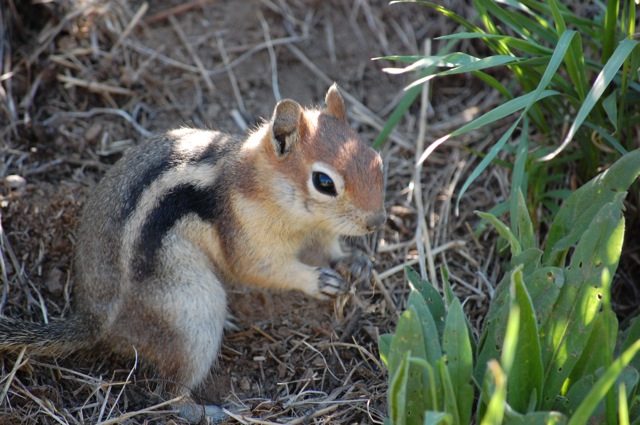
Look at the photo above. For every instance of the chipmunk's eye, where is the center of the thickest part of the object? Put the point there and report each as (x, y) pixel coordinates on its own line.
(323, 183)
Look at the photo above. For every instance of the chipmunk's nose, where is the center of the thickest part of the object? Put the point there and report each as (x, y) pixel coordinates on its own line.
(376, 221)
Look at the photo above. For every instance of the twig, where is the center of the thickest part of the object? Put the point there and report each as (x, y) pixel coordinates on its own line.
(422, 231)
(272, 57)
(3, 270)
(194, 56)
(9, 378)
(97, 111)
(232, 76)
(435, 251)
(93, 86)
(151, 409)
(134, 21)
(175, 11)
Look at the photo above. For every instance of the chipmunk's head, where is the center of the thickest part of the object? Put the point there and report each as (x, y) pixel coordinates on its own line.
(327, 175)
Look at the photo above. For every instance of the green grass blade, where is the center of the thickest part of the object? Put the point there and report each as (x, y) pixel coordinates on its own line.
(600, 389)
(494, 83)
(527, 46)
(538, 94)
(497, 402)
(504, 231)
(397, 114)
(601, 83)
(575, 58)
(610, 28)
(518, 183)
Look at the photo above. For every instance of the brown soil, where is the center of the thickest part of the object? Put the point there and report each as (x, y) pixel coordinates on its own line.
(83, 80)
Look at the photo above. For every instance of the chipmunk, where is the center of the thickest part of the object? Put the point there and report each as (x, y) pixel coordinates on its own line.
(181, 214)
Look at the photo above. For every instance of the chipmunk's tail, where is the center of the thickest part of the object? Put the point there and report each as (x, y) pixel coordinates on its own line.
(54, 339)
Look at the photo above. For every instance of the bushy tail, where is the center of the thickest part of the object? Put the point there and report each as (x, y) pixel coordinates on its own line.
(55, 339)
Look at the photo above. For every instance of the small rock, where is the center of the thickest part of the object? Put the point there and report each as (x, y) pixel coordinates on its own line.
(15, 181)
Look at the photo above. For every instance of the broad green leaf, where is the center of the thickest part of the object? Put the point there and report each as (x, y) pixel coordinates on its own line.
(457, 348)
(437, 418)
(598, 352)
(593, 265)
(409, 338)
(398, 392)
(543, 286)
(577, 214)
(384, 346)
(429, 335)
(449, 396)
(432, 298)
(526, 374)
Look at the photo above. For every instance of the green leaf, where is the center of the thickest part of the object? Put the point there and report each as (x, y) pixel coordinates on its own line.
(574, 58)
(497, 400)
(384, 346)
(518, 183)
(603, 385)
(587, 281)
(537, 418)
(409, 338)
(525, 225)
(437, 418)
(598, 352)
(432, 298)
(397, 114)
(503, 231)
(577, 214)
(526, 374)
(538, 94)
(610, 105)
(609, 71)
(398, 392)
(457, 348)
(449, 395)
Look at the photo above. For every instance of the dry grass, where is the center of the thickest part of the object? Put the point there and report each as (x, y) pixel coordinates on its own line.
(82, 80)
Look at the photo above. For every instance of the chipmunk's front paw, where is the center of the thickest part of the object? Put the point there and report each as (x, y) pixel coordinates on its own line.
(355, 267)
(330, 283)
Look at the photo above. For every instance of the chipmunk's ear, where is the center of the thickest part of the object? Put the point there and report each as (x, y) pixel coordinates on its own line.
(285, 126)
(335, 103)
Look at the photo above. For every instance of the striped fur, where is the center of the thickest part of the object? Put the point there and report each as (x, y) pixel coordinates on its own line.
(183, 213)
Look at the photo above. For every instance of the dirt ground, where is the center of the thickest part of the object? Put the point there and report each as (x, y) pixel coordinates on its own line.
(82, 80)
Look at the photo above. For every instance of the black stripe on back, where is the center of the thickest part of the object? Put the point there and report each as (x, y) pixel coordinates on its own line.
(137, 187)
(175, 204)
